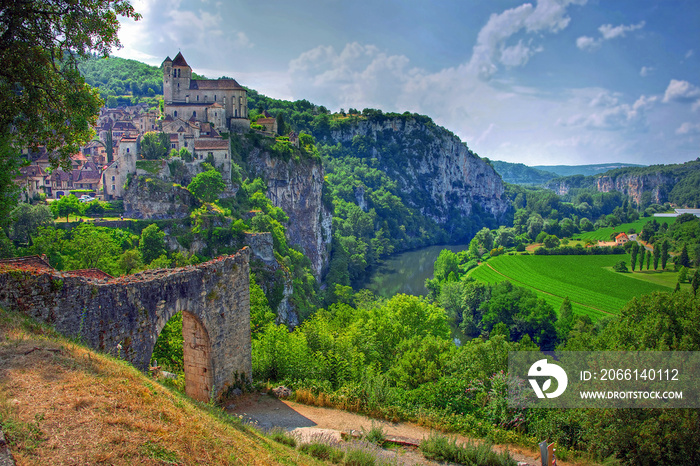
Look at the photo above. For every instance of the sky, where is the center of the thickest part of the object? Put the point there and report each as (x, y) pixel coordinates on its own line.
(544, 82)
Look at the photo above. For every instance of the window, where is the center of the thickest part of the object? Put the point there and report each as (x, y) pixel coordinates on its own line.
(198, 98)
(214, 97)
(127, 150)
(112, 187)
(194, 114)
(185, 143)
(175, 112)
(112, 178)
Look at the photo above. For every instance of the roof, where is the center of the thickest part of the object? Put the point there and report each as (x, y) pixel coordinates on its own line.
(29, 263)
(213, 84)
(179, 60)
(216, 105)
(211, 143)
(621, 235)
(173, 137)
(89, 273)
(266, 121)
(32, 170)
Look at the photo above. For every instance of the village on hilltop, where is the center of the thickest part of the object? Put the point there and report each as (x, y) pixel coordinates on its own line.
(197, 114)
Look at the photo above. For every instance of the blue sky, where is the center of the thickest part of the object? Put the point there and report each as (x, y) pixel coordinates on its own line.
(543, 82)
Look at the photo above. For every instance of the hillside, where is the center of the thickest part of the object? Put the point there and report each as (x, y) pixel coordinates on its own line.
(656, 184)
(519, 173)
(61, 403)
(586, 170)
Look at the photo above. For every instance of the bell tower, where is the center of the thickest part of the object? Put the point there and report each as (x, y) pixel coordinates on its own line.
(168, 80)
(181, 75)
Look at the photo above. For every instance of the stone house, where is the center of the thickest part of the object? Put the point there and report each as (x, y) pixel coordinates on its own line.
(621, 239)
(31, 181)
(216, 148)
(114, 177)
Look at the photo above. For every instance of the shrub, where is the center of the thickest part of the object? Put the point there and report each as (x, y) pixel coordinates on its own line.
(322, 451)
(357, 457)
(280, 436)
(621, 266)
(440, 448)
(375, 435)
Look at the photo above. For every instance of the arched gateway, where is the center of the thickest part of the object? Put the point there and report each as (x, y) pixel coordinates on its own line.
(125, 315)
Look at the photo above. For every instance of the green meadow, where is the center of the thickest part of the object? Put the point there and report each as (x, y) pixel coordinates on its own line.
(589, 281)
(603, 234)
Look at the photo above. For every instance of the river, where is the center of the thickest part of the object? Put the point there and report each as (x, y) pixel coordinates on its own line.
(406, 272)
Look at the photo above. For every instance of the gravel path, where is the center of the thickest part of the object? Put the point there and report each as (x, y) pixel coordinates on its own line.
(306, 421)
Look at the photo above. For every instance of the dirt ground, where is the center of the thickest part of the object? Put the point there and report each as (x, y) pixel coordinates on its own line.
(267, 412)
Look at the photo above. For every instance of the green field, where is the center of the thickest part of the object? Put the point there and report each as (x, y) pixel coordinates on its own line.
(589, 282)
(603, 234)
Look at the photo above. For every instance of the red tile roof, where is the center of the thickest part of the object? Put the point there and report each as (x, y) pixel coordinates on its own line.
(214, 84)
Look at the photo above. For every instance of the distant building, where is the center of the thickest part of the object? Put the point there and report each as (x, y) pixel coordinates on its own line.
(678, 212)
(621, 239)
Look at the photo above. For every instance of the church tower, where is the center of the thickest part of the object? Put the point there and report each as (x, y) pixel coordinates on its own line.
(168, 80)
(182, 73)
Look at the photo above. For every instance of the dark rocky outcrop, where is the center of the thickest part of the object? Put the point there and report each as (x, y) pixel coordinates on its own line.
(153, 198)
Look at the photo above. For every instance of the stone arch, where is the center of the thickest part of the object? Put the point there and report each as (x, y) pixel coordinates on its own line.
(129, 313)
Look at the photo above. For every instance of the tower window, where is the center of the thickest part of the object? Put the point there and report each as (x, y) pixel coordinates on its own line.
(175, 112)
(197, 98)
(194, 114)
(214, 97)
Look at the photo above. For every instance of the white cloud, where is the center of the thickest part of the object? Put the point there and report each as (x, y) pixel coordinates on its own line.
(681, 91)
(688, 128)
(644, 72)
(169, 25)
(587, 43)
(491, 48)
(607, 32)
(689, 54)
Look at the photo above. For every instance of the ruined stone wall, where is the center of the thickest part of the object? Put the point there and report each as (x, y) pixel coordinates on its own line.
(131, 311)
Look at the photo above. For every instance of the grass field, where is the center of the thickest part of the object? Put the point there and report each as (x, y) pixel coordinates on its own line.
(589, 282)
(603, 234)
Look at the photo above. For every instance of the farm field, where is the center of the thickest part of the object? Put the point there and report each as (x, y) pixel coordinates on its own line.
(589, 282)
(603, 234)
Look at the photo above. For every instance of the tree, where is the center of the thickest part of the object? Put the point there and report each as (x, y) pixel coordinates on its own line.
(695, 282)
(154, 145)
(446, 263)
(648, 259)
(151, 244)
(620, 267)
(565, 322)
(634, 251)
(551, 241)
(683, 259)
(664, 254)
(26, 219)
(65, 206)
(207, 186)
(657, 255)
(43, 99)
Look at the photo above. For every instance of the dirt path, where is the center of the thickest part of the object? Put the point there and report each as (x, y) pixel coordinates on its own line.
(267, 412)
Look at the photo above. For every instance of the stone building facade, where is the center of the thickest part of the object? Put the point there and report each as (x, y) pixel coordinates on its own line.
(222, 102)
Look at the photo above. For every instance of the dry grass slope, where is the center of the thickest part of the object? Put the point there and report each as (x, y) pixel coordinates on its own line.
(61, 403)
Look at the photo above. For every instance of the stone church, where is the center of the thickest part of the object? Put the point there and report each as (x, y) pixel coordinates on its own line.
(221, 102)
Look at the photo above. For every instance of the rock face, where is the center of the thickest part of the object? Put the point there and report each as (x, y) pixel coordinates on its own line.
(657, 184)
(153, 198)
(296, 186)
(436, 171)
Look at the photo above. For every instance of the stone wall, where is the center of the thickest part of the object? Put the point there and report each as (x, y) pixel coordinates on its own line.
(124, 316)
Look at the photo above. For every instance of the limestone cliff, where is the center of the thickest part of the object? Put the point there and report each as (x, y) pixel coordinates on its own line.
(644, 185)
(296, 186)
(153, 198)
(435, 170)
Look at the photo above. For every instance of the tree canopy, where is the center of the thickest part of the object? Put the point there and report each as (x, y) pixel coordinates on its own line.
(43, 99)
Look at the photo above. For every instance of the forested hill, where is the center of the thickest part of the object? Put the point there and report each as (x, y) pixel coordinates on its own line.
(586, 170)
(518, 173)
(676, 183)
